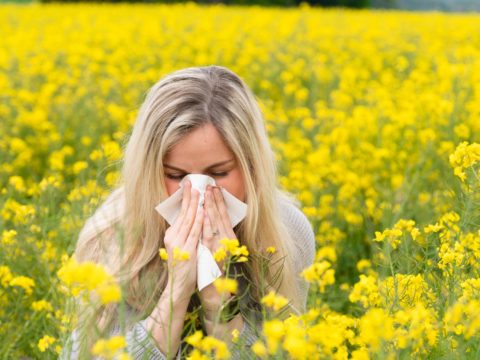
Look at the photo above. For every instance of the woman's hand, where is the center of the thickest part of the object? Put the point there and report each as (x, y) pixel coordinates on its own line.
(216, 226)
(184, 234)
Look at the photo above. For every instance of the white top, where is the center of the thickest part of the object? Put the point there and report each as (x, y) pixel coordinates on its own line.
(140, 345)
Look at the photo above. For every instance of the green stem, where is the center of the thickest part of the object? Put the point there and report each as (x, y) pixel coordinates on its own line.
(170, 318)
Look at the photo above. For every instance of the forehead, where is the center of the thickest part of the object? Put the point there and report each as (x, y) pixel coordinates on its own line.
(199, 148)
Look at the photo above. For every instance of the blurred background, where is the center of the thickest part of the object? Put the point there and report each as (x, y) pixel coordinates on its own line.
(436, 5)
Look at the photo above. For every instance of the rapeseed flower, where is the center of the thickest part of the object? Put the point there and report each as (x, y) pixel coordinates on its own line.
(274, 301)
(108, 348)
(226, 285)
(45, 342)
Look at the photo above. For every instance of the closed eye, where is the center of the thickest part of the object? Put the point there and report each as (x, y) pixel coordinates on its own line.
(174, 177)
(220, 174)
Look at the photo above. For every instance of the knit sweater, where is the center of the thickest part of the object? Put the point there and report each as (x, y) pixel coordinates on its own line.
(141, 345)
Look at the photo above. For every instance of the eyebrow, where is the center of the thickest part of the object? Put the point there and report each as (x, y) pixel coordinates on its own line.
(210, 167)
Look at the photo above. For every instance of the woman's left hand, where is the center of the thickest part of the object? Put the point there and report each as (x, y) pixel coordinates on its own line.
(216, 226)
(216, 223)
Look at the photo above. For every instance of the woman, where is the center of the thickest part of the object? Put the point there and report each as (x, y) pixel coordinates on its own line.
(202, 120)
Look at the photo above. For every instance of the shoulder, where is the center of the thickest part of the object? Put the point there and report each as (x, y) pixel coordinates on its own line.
(299, 228)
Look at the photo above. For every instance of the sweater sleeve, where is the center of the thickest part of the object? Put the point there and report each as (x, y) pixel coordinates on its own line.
(303, 237)
(140, 344)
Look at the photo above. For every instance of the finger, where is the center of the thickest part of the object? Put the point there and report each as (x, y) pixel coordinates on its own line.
(194, 235)
(207, 227)
(185, 203)
(223, 212)
(217, 224)
(189, 218)
(211, 210)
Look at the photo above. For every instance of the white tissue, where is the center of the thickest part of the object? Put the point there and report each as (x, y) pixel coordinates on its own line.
(207, 268)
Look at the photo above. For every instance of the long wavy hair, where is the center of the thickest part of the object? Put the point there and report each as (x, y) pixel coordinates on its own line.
(125, 233)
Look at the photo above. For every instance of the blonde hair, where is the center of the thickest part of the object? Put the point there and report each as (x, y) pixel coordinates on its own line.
(177, 104)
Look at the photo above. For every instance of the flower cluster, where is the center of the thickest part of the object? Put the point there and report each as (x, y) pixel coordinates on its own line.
(207, 347)
(231, 248)
(465, 156)
(111, 348)
(86, 277)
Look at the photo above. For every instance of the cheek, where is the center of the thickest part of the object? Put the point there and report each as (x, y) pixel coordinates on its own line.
(171, 186)
(234, 185)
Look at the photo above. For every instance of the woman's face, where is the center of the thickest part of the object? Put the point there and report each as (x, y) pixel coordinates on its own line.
(203, 151)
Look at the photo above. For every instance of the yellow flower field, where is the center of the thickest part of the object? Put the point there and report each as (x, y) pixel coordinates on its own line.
(374, 117)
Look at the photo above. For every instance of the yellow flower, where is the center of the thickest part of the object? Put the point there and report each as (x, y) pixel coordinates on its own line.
(320, 273)
(5, 275)
(8, 237)
(465, 156)
(88, 276)
(79, 166)
(195, 339)
(271, 250)
(17, 182)
(95, 155)
(366, 291)
(235, 335)
(242, 259)
(18, 213)
(432, 228)
(109, 293)
(230, 244)
(360, 354)
(197, 355)
(179, 254)
(259, 349)
(274, 301)
(363, 264)
(99, 348)
(109, 348)
(240, 251)
(225, 285)
(210, 343)
(112, 150)
(45, 342)
(220, 254)
(376, 325)
(163, 254)
(414, 233)
(24, 282)
(274, 330)
(379, 236)
(41, 305)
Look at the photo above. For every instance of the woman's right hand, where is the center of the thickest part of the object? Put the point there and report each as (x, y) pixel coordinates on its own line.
(184, 234)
